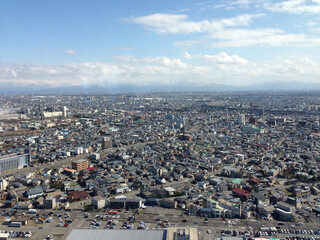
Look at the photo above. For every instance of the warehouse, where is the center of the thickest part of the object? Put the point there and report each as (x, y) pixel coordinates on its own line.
(13, 161)
(97, 234)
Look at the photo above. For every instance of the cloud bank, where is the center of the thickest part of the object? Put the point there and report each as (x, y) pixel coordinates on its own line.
(199, 69)
(225, 32)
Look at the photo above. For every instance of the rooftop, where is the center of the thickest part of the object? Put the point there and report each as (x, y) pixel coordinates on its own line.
(80, 160)
(107, 234)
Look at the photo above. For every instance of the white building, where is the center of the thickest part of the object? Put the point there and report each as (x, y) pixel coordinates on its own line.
(98, 202)
(78, 150)
(65, 112)
(51, 114)
(3, 184)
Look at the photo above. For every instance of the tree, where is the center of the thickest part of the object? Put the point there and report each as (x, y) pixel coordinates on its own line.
(57, 185)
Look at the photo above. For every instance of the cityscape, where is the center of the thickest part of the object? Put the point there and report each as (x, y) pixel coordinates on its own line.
(161, 120)
(227, 165)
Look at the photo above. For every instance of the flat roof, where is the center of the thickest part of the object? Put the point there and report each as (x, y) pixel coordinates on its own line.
(191, 231)
(170, 189)
(233, 238)
(80, 160)
(115, 234)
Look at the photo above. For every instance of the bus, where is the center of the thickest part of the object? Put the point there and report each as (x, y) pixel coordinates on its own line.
(15, 224)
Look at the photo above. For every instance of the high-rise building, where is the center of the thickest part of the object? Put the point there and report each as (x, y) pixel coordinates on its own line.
(65, 112)
(241, 119)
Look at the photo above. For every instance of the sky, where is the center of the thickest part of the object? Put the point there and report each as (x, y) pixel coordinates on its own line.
(170, 43)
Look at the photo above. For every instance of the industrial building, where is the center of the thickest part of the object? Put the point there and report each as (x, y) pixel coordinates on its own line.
(52, 114)
(13, 161)
(172, 233)
(106, 234)
(125, 203)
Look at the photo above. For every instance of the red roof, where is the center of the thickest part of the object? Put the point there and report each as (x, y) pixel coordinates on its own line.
(255, 180)
(69, 170)
(241, 192)
(79, 194)
(91, 168)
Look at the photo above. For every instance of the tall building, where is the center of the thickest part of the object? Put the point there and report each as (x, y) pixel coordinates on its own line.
(80, 164)
(106, 143)
(241, 119)
(65, 112)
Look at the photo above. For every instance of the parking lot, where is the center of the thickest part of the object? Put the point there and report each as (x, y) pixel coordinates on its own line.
(19, 234)
(62, 222)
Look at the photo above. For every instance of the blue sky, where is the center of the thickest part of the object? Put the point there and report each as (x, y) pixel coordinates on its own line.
(236, 42)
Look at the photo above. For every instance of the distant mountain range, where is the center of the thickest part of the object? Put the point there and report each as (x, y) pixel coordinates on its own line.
(273, 86)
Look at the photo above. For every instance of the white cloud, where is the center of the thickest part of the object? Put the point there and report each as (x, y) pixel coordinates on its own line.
(70, 52)
(224, 58)
(153, 60)
(14, 74)
(227, 32)
(178, 23)
(217, 6)
(241, 3)
(187, 55)
(186, 44)
(289, 6)
(204, 70)
(311, 23)
(295, 6)
(266, 36)
(221, 58)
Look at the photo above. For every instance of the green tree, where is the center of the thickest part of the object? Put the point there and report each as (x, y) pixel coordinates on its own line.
(57, 185)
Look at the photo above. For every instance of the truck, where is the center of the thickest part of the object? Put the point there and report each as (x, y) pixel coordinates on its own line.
(32, 211)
